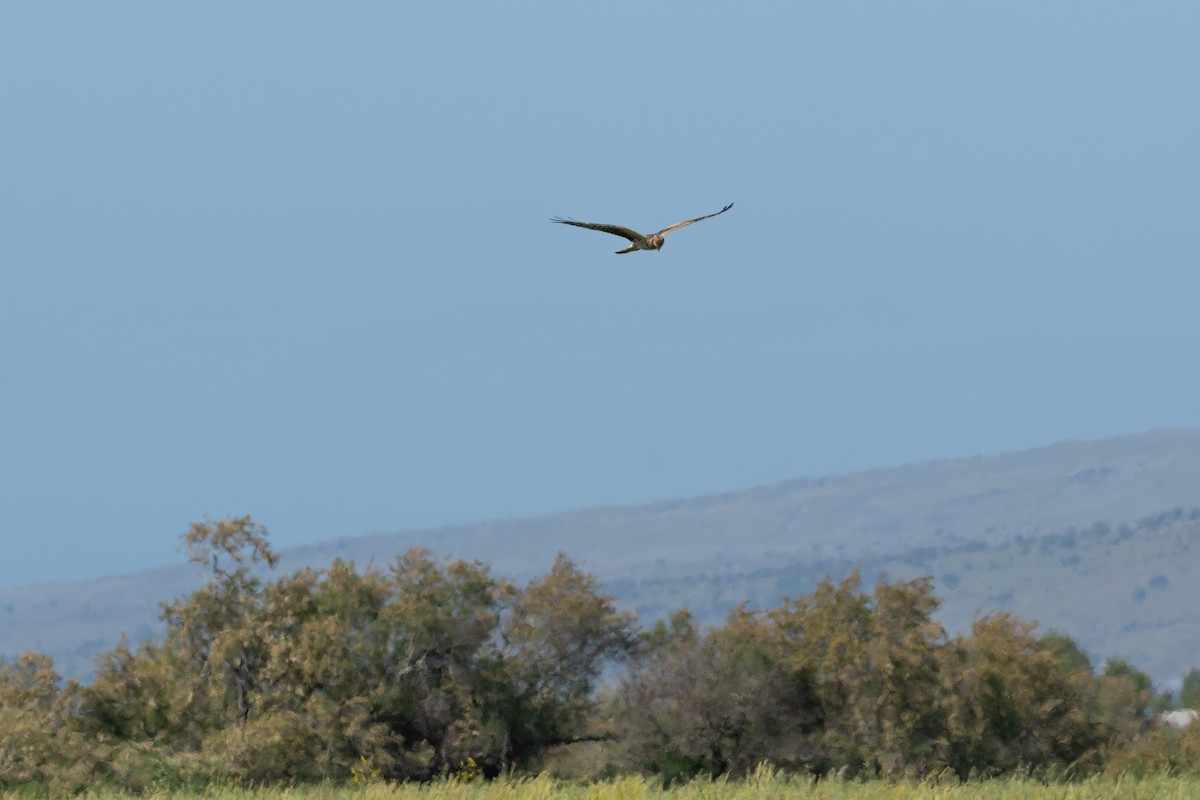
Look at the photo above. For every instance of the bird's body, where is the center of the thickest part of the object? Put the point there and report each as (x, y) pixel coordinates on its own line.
(653, 241)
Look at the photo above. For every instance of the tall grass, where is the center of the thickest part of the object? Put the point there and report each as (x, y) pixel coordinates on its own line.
(765, 785)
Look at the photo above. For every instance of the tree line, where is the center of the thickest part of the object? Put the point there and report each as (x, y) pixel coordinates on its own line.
(432, 667)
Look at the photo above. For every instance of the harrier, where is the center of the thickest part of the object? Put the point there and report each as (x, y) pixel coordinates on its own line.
(652, 242)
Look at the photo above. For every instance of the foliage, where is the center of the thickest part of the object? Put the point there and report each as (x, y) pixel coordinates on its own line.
(765, 784)
(32, 709)
(1014, 703)
(1123, 695)
(858, 683)
(874, 663)
(1189, 691)
(435, 669)
(1066, 651)
(415, 671)
(710, 703)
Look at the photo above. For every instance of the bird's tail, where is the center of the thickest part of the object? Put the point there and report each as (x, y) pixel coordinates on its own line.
(629, 249)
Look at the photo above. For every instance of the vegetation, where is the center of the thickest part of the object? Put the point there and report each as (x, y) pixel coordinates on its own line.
(766, 785)
(432, 670)
(1040, 575)
(1036, 574)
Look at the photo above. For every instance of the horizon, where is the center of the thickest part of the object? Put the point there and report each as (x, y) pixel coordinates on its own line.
(614, 506)
(1115, 520)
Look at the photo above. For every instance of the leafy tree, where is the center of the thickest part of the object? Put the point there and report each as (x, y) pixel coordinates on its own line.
(1120, 668)
(29, 696)
(323, 679)
(411, 670)
(558, 634)
(138, 696)
(848, 681)
(40, 742)
(441, 625)
(1013, 702)
(1123, 695)
(713, 703)
(680, 623)
(1189, 691)
(214, 626)
(874, 662)
(1066, 651)
(839, 679)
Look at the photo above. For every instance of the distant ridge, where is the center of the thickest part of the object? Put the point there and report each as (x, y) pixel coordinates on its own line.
(859, 513)
(864, 516)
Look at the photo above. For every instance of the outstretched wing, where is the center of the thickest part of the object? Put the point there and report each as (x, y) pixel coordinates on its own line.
(615, 230)
(678, 225)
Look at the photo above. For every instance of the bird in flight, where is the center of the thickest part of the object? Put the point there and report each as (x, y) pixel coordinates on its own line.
(652, 242)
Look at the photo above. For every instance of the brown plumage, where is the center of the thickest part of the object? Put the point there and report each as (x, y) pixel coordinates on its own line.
(652, 242)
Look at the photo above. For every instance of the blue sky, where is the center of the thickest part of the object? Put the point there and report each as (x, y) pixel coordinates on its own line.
(293, 260)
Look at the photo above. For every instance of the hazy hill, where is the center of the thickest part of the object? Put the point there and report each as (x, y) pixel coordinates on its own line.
(978, 525)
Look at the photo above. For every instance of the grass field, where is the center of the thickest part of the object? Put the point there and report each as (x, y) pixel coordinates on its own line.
(764, 787)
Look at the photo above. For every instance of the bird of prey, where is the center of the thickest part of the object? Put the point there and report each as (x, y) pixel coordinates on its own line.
(652, 242)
